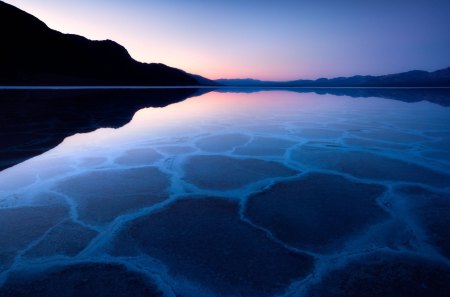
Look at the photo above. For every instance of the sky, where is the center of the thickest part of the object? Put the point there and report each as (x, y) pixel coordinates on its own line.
(270, 40)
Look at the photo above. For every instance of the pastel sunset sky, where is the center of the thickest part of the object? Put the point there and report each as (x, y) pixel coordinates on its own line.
(273, 40)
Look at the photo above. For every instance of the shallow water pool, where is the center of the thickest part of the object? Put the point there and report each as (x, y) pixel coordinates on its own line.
(269, 193)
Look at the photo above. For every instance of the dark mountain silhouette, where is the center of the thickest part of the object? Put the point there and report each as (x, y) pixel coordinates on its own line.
(33, 54)
(34, 121)
(415, 78)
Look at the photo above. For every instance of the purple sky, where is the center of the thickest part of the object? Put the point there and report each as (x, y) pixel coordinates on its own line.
(276, 39)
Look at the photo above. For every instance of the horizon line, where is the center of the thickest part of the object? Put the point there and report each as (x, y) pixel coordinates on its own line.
(100, 87)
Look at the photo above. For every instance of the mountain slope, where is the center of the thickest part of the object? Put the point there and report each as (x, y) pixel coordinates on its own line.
(33, 54)
(416, 78)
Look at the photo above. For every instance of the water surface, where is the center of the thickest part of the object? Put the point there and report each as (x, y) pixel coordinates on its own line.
(270, 193)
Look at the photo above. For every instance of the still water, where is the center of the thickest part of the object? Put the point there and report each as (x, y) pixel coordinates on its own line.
(270, 193)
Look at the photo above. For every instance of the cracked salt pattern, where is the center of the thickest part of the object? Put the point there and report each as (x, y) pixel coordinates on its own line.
(264, 194)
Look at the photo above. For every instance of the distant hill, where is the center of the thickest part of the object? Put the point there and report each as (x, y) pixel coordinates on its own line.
(416, 78)
(33, 54)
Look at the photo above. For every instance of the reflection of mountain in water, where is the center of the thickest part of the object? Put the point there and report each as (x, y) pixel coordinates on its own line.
(439, 96)
(34, 121)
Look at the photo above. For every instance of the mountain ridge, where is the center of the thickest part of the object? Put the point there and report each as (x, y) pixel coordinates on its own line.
(413, 78)
(34, 54)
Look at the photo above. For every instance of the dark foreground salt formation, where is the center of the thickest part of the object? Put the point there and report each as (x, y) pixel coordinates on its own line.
(121, 191)
(368, 165)
(432, 212)
(211, 246)
(387, 275)
(317, 212)
(90, 279)
(22, 225)
(224, 173)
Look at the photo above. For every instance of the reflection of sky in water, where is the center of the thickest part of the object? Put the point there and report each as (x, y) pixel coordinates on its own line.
(322, 176)
(246, 124)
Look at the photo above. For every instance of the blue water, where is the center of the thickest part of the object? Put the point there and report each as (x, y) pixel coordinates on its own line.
(271, 193)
